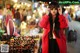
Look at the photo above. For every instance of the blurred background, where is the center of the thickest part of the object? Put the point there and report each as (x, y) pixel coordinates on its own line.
(19, 23)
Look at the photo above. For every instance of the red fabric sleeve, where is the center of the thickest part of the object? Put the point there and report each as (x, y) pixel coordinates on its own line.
(43, 22)
(63, 22)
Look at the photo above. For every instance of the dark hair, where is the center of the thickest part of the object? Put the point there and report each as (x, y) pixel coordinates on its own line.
(17, 9)
(63, 10)
(53, 5)
(56, 21)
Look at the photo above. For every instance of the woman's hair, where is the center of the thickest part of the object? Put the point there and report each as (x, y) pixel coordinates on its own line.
(53, 5)
(56, 21)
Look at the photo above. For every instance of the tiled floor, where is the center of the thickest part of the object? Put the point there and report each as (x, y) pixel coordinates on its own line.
(74, 47)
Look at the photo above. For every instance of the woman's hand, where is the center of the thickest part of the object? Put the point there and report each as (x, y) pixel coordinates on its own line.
(60, 11)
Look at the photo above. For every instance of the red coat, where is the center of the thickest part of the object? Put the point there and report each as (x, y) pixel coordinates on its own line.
(44, 23)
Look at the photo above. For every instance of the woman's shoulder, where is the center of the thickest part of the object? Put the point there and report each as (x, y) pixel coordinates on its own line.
(45, 16)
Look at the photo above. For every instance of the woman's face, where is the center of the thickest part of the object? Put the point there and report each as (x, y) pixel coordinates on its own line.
(54, 11)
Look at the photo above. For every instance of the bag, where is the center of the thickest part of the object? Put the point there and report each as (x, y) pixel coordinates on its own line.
(72, 36)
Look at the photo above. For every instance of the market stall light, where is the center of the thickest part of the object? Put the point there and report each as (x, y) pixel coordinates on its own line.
(49, 2)
(1, 16)
(14, 20)
(34, 11)
(37, 20)
(76, 7)
(66, 6)
(25, 3)
(15, 5)
(22, 3)
(18, 6)
(44, 10)
(15, 0)
(28, 17)
(28, 5)
(36, 4)
(42, 5)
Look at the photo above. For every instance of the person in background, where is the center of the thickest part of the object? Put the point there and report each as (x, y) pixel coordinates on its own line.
(54, 24)
(68, 19)
(23, 29)
(24, 13)
(77, 14)
(72, 13)
(17, 17)
(66, 14)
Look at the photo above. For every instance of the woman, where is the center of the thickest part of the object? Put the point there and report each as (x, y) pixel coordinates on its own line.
(53, 39)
